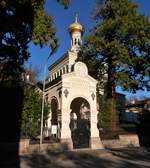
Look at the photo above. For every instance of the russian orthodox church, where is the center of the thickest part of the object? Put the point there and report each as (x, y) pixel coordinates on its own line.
(71, 92)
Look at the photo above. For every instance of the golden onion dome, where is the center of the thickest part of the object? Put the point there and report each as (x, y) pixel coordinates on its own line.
(76, 26)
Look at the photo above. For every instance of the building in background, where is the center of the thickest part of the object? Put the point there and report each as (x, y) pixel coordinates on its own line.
(136, 109)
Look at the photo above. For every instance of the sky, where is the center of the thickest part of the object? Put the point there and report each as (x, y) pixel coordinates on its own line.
(63, 18)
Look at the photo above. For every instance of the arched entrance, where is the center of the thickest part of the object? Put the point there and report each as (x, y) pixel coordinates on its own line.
(54, 108)
(55, 122)
(80, 123)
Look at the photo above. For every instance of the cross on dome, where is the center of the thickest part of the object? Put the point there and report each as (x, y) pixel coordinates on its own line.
(76, 17)
(76, 26)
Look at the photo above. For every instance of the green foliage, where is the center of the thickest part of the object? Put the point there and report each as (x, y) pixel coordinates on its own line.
(119, 45)
(65, 3)
(31, 115)
(23, 21)
(104, 115)
(33, 72)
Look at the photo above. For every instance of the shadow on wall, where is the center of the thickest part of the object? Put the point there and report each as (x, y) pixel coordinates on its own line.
(11, 99)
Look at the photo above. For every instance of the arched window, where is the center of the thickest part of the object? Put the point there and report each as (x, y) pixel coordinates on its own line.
(60, 72)
(54, 108)
(79, 42)
(64, 70)
(75, 41)
(67, 68)
(57, 73)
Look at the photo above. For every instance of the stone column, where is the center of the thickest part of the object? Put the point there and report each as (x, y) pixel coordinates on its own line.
(65, 129)
(69, 68)
(95, 139)
(51, 77)
(59, 73)
(48, 132)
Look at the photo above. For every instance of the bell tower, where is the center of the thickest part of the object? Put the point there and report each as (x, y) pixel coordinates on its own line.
(76, 30)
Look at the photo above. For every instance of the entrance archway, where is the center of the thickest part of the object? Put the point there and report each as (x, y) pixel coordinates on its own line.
(54, 109)
(80, 123)
(55, 122)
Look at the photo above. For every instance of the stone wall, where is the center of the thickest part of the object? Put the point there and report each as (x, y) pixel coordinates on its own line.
(123, 141)
(24, 146)
(130, 140)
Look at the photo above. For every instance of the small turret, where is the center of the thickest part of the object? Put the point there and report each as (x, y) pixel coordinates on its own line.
(76, 30)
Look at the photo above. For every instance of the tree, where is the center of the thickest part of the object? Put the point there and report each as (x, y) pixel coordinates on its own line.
(31, 115)
(20, 23)
(104, 120)
(119, 46)
(31, 74)
(64, 2)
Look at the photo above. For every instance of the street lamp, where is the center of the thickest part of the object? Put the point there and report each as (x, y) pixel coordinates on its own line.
(43, 101)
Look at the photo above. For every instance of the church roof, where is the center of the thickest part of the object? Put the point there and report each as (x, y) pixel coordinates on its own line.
(58, 61)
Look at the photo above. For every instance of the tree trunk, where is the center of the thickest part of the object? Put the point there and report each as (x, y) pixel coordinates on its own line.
(111, 94)
(113, 110)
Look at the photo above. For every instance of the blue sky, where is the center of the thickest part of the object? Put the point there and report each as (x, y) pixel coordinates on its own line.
(63, 18)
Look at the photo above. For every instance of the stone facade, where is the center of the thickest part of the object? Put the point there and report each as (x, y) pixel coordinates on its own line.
(130, 140)
(76, 84)
(72, 95)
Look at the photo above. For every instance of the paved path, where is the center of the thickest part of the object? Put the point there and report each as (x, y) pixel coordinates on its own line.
(119, 158)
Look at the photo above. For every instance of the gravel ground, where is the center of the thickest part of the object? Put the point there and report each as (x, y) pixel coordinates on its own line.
(117, 158)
